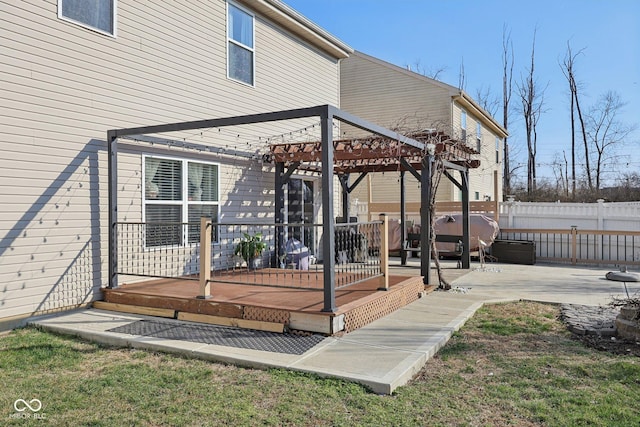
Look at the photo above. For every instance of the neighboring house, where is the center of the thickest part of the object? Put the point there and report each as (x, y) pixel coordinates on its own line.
(398, 98)
(72, 69)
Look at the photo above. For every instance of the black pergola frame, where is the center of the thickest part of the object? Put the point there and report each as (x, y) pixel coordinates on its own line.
(326, 113)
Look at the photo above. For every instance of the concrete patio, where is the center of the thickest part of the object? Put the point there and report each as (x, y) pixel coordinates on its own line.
(387, 353)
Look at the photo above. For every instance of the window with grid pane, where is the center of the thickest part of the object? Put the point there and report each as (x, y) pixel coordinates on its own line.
(240, 50)
(177, 193)
(98, 15)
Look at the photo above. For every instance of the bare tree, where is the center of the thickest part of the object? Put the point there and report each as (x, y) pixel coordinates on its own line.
(605, 131)
(437, 171)
(627, 188)
(415, 124)
(487, 101)
(431, 72)
(568, 71)
(560, 167)
(507, 89)
(566, 174)
(532, 98)
(461, 76)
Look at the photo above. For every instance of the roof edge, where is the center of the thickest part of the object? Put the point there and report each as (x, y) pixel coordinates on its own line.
(456, 94)
(413, 74)
(301, 26)
(467, 101)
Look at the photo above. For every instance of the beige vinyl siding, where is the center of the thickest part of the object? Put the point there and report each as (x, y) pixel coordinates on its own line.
(381, 189)
(481, 180)
(456, 122)
(390, 97)
(64, 86)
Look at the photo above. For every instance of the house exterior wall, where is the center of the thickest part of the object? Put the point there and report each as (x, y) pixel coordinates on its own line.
(483, 179)
(393, 97)
(64, 86)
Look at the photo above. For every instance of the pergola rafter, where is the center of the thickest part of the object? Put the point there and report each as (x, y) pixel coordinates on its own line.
(375, 153)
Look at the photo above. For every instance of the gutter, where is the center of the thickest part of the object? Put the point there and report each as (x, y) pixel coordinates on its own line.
(301, 26)
(488, 120)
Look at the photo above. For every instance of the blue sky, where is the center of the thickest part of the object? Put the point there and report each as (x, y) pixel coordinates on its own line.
(443, 34)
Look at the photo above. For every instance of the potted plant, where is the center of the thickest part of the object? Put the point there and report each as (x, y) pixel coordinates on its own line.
(250, 248)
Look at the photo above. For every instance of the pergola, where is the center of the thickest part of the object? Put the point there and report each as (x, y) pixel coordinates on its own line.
(386, 150)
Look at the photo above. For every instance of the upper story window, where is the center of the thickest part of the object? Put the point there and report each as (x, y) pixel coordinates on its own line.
(240, 50)
(177, 192)
(478, 136)
(498, 141)
(98, 15)
(463, 125)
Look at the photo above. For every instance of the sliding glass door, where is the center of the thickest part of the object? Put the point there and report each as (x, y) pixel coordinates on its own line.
(301, 195)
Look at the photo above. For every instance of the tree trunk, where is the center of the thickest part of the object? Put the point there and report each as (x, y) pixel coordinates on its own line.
(586, 144)
(573, 150)
(507, 87)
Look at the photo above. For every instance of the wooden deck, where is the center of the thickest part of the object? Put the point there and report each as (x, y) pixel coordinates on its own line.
(263, 306)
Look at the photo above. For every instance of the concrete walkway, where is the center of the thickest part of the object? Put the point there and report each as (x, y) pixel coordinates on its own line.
(387, 353)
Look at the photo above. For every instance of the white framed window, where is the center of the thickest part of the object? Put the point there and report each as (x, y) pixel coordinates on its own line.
(463, 125)
(478, 136)
(177, 192)
(97, 15)
(498, 141)
(240, 45)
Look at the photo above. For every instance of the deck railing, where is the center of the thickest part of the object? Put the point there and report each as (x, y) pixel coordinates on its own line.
(281, 255)
(576, 246)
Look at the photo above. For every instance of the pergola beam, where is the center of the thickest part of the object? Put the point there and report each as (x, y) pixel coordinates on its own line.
(348, 118)
(453, 180)
(410, 168)
(248, 119)
(191, 145)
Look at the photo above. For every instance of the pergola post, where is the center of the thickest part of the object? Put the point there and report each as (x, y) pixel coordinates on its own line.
(112, 170)
(403, 220)
(425, 218)
(466, 231)
(328, 227)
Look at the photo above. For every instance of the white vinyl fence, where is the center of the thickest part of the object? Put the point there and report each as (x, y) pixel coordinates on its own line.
(584, 216)
(579, 233)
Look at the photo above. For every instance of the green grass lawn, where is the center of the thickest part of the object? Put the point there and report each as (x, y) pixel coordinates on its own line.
(511, 365)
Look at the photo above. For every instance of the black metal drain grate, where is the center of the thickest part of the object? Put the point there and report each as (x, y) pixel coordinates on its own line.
(221, 335)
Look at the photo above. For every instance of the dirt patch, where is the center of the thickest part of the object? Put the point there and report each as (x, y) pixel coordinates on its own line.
(595, 327)
(613, 345)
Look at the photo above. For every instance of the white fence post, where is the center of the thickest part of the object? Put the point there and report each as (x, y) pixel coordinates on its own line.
(600, 225)
(510, 202)
(600, 214)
